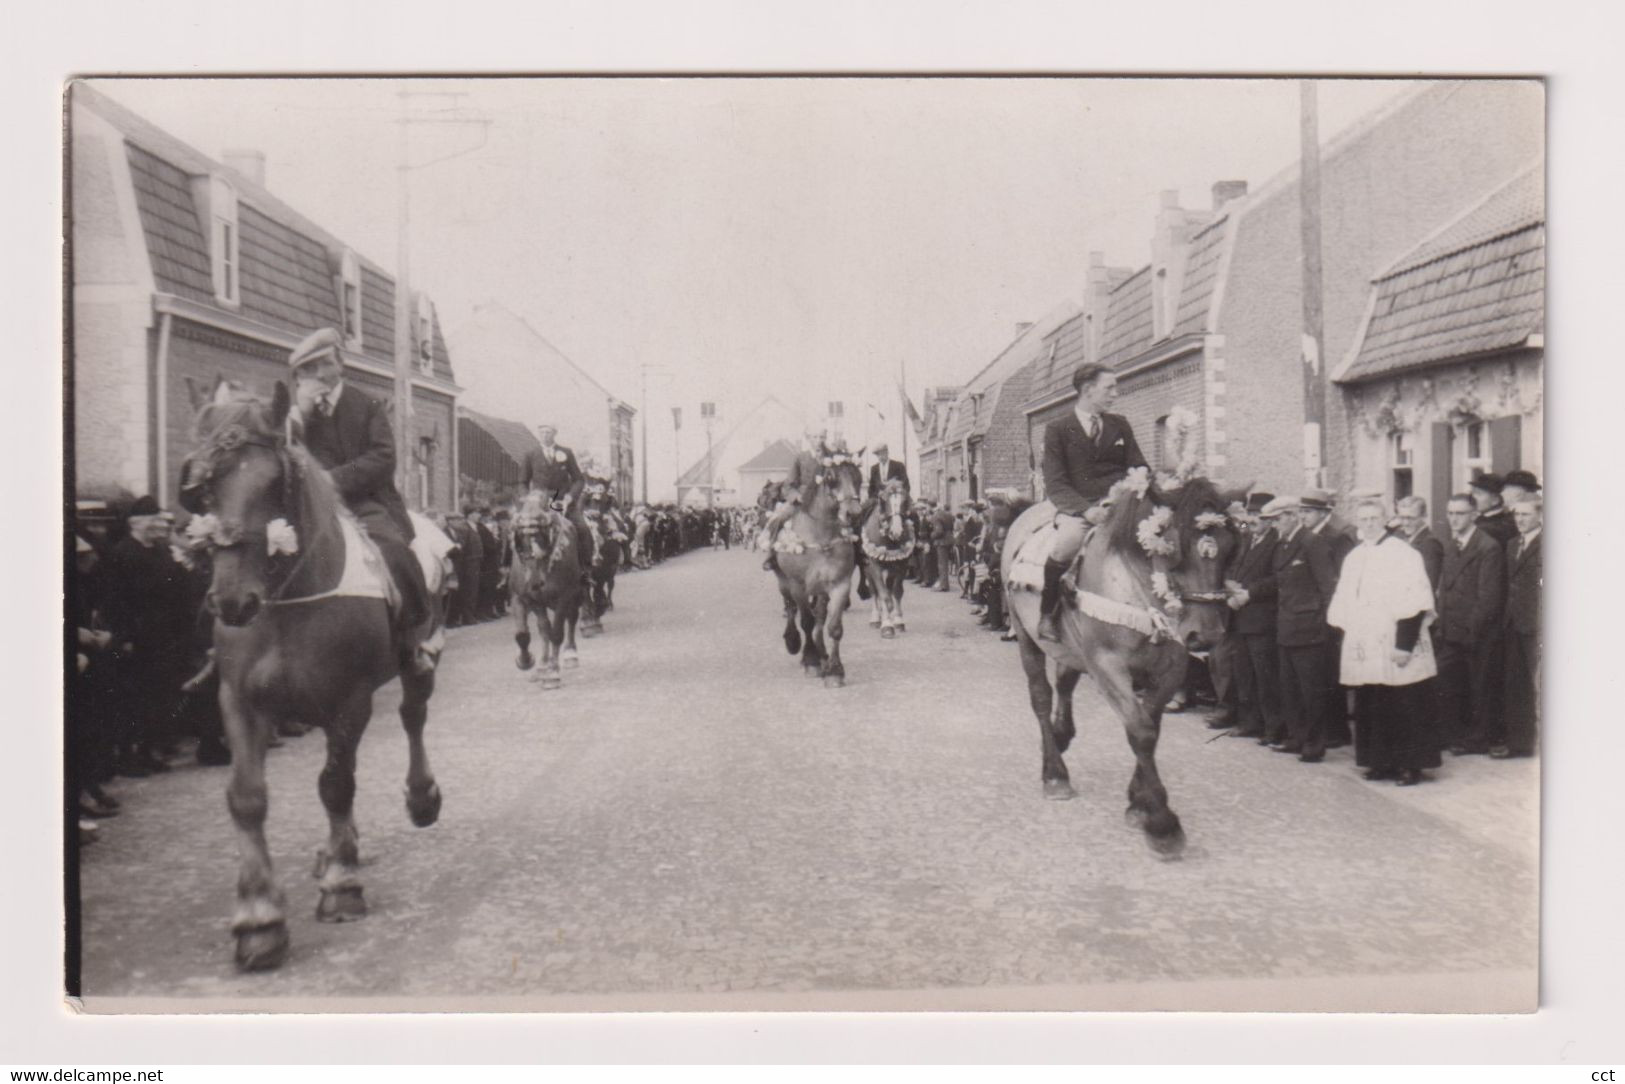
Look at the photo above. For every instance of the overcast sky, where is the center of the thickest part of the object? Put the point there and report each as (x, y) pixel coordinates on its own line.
(804, 237)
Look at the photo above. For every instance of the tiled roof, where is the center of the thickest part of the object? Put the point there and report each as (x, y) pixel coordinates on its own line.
(1201, 276)
(1127, 329)
(701, 474)
(776, 456)
(288, 265)
(1474, 287)
(972, 420)
(516, 440)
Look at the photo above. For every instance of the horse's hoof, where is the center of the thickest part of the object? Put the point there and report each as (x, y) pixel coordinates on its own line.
(552, 681)
(901, 627)
(888, 633)
(423, 806)
(344, 904)
(1169, 847)
(834, 681)
(1058, 790)
(262, 948)
(525, 662)
(874, 622)
(792, 643)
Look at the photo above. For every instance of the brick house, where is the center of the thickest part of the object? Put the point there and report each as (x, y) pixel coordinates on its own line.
(932, 478)
(1444, 379)
(1214, 321)
(983, 441)
(184, 269)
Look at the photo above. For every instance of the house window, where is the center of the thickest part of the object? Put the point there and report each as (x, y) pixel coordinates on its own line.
(837, 409)
(1472, 456)
(1401, 464)
(223, 240)
(425, 334)
(425, 461)
(350, 298)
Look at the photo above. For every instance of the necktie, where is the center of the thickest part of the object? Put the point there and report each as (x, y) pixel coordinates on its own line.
(1092, 426)
(324, 406)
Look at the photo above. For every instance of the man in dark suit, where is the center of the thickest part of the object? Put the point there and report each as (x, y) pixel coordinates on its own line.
(1494, 518)
(552, 468)
(490, 565)
(350, 435)
(1304, 582)
(1320, 517)
(1523, 632)
(470, 566)
(1085, 454)
(1250, 581)
(797, 487)
(1472, 596)
(886, 469)
(1413, 525)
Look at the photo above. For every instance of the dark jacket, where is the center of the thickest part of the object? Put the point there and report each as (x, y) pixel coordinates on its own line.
(356, 444)
(1498, 525)
(556, 472)
(145, 595)
(1523, 586)
(1472, 590)
(895, 470)
(1253, 568)
(802, 479)
(1079, 472)
(1304, 582)
(1432, 551)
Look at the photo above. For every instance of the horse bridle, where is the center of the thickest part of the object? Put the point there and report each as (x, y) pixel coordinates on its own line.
(226, 438)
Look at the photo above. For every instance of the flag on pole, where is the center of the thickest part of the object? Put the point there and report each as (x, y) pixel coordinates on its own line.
(908, 409)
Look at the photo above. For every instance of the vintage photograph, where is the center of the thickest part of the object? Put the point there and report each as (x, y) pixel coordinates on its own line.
(782, 543)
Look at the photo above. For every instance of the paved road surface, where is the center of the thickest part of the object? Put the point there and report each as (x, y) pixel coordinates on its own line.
(691, 816)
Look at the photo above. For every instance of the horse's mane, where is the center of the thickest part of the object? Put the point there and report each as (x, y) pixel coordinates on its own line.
(1197, 495)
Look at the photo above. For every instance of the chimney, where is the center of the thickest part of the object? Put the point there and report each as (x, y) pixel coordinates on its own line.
(250, 164)
(1225, 191)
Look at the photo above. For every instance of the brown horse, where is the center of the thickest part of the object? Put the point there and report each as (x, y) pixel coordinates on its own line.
(888, 543)
(545, 579)
(1150, 591)
(815, 562)
(289, 647)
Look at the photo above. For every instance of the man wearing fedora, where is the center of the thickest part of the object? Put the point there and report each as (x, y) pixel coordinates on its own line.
(553, 469)
(1085, 454)
(1494, 517)
(1250, 582)
(349, 434)
(1318, 511)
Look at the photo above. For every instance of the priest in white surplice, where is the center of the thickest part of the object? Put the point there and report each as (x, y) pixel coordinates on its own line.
(1382, 603)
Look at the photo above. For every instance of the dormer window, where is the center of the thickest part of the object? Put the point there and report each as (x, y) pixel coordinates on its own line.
(350, 299)
(425, 334)
(223, 240)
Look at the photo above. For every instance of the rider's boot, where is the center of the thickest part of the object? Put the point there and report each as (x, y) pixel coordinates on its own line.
(412, 621)
(1049, 604)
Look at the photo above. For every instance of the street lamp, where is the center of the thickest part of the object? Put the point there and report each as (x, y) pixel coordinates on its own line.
(708, 415)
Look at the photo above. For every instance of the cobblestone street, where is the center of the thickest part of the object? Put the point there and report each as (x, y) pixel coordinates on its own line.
(690, 822)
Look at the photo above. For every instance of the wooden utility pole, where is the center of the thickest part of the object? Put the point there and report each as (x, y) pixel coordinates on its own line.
(1314, 337)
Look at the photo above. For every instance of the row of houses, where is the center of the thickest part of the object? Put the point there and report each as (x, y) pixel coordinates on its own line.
(1433, 228)
(183, 269)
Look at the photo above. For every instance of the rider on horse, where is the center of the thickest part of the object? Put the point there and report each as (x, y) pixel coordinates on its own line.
(552, 468)
(1085, 454)
(804, 475)
(349, 434)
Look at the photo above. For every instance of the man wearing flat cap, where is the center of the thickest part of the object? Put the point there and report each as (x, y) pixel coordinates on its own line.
(349, 434)
(1085, 454)
(1304, 583)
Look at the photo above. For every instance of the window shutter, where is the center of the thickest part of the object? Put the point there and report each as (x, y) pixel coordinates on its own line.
(1439, 474)
(1504, 443)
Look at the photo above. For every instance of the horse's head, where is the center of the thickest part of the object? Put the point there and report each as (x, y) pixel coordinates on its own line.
(842, 485)
(1203, 540)
(894, 500)
(238, 482)
(536, 527)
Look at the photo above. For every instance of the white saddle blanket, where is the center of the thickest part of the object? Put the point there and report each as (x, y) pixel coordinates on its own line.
(366, 576)
(1027, 570)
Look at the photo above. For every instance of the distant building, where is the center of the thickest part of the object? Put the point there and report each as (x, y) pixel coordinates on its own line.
(510, 370)
(186, 269)
(938, 478)
(771, 464)
(718, 472)
(1444, 381)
